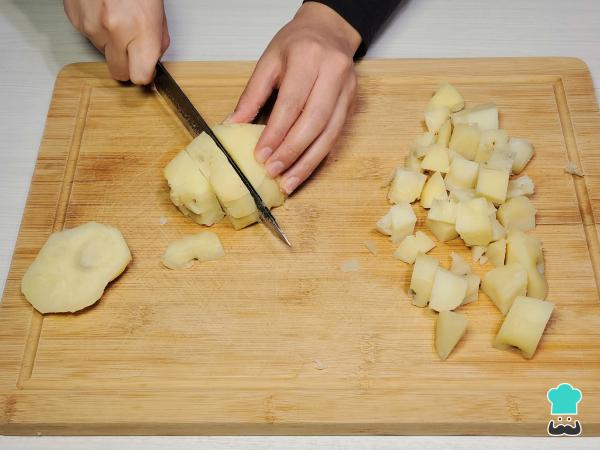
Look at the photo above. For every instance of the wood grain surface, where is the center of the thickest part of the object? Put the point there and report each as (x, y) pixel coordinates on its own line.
(229, 347)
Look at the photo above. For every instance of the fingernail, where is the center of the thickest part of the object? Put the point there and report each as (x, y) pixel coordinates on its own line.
(227, 119)
(275, 168)
(291, 184)
(263, 154)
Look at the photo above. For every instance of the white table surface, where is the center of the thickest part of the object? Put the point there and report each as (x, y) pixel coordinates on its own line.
(36, 40)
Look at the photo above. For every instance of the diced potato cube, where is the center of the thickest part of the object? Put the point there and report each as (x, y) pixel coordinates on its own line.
(523, 152)
(443, 211)
(478, 254)
(472, 294)
(449, 328)
(434, 188)
(496, 252)
(517, 212)
(423, 141)
(445, 133)
(458, 265)
(462, 173)
(498, 231)
(521, 186)
(412, 245)
(493, 184)
(403, 221)
(465, 140)
(503, 284)
(524, 325)
(448, 290)
(412, 162)
(473, 222)
(436, 117)
(490, 139)
(527, 250)
(461, 195)
(436, 159)
(447, 95)
(484, 116)
(406, 186)
(442, 231)
(421, 281)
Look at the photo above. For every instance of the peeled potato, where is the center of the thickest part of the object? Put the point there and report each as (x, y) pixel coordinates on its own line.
(448, 290)
(204, 246)
(449, 328)
(448, 96)
(484, 116)
(503, 284)
(421, 281)
(73, 268)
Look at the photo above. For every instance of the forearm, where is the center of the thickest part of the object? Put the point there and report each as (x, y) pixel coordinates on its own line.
(366, 16)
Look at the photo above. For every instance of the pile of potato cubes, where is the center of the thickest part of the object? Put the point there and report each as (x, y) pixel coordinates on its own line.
(460, 171)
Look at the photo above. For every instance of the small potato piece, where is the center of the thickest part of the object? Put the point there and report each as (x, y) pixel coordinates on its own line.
(519, 213)
(421, 143)
(493, 184)
(503, 284)
(458, 265)
(520, 186)
(490, 139)
(484, 116)
(447, 95)
(527, 250)
(461, 195)
(524, 325)
(448, 290)
(449, 328)
(436, 159)
(204, 246)
(73, 268)
(472, 294)
(496, 252)
(523, 152)
(412, 162)
(498, 231)
(442, 231)
(421, 281)
(444, 134)
(443, 211)
(436, 117)
(398, 223)
(406, 186)
(462, 174)
(412, 245)
(465, 140)
(478, 254)
(434, 188)
(473, 222)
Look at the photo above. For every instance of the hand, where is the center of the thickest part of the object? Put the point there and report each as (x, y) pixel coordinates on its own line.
(132, 34)
(310, 60)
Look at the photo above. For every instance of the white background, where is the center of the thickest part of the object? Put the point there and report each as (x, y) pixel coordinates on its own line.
(36, 40)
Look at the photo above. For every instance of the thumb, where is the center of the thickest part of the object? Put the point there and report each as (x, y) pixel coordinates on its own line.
(261, 84)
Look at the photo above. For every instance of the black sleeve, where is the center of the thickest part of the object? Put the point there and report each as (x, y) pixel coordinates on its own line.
(366, 16)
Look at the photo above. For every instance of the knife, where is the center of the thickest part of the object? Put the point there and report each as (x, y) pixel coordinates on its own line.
(193, 121)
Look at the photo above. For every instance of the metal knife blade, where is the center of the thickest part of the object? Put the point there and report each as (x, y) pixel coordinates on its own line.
(193, 121)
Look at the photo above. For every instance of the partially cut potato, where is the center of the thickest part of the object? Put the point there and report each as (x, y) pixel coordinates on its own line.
(503, 284)
(449, 328)
(524, 325)
(448, 290)
(484, 116)
(406, 186)
(73, 268)
(421, 281)
(435, 188)
(412, 245)
(517, 212)
(448, 96)
(204, 246)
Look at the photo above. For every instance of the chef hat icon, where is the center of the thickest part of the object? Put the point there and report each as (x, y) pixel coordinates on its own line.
(564, 399)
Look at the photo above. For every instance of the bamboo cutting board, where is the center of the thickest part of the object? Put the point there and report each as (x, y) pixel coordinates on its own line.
(272, 341)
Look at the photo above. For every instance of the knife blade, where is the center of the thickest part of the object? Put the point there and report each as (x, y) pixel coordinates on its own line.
(193, 121)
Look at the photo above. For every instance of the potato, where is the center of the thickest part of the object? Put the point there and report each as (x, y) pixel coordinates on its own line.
(523, 152)
(484, 116)
(442, 231)
(503, 284)
(406, 186)
(398, 223)
(492, 184)
(473, 223)
(458, 265)
(434, 188)
(447, 95)
(517, 212)
(496, 252)
(498, 231)
(190, 190)
(449, 328)
(412, 162)
(204, 246)
(524, 325)
(490, 139)
(421, 281)
(443, 211)
(448, 290)
(465, 140)
(73, 268)
(436, 159)
(421, 143)
(520, 186)
(527, 250)
(478, 254)
(462, 174)
(444, 134)
(436, 117)
(461, 195)
(472, 294)
(412, 245)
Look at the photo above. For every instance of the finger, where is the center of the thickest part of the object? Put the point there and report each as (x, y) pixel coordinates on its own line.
(259, 88)
(320, 148)
(143, 54)
(317, 113)
(166, 38)
(115, 53)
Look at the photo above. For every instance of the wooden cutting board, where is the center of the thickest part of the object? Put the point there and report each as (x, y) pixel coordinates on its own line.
(272, 341)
